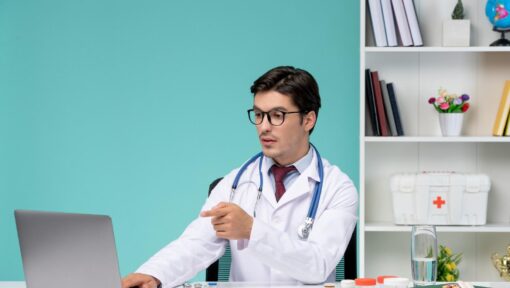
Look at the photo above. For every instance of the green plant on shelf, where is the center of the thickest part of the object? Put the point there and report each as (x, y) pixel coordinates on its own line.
(447, 265)
(458, 11)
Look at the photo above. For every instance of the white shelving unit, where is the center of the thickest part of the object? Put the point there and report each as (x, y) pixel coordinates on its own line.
(417, 73)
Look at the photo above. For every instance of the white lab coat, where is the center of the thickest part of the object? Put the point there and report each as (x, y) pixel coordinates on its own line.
(274, 253)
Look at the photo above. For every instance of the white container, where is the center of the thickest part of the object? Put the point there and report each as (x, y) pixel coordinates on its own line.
(396, 283)
(347, 283)
(440, 198)
(456, 33)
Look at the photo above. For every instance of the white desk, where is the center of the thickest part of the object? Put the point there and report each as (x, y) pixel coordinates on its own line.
(261, 285)
(12, 284)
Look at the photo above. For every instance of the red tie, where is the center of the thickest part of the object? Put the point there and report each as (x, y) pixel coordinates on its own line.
(279, 174)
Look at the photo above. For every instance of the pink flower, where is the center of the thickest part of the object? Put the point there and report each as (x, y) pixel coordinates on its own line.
(440, 100)
(444, 106)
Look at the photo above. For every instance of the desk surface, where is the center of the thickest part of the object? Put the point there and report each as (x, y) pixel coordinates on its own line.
(262, 285)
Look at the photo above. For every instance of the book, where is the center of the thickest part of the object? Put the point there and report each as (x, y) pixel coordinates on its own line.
(370, 103)
(389, 23)
(377, 22)
(412, 20)
(403, 27)
(507, 129)
(387, 107)
(394, 108)
(379, 103)
(503, 111)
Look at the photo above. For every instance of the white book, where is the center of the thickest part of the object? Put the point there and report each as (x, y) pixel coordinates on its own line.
(412, 19)
(403, 26)
(377, 23)
(389, 23)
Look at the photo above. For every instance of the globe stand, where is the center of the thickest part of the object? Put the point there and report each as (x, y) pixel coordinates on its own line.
(501, 41)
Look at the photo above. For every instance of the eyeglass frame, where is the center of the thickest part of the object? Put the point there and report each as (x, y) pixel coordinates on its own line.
(264, 113)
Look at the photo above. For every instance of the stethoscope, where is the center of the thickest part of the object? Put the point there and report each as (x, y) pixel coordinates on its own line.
(305, 228)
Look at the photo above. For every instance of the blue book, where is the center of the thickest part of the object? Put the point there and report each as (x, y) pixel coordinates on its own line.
(394, 108)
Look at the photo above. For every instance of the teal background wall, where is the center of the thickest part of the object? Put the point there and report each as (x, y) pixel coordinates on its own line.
(131, 108)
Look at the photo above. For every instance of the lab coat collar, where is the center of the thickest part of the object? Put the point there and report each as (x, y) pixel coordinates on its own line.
(300, 186)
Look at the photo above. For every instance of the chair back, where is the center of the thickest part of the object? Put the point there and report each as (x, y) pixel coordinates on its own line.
(219, 271)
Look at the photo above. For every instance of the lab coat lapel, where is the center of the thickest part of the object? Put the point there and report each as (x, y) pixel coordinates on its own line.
(304, 184)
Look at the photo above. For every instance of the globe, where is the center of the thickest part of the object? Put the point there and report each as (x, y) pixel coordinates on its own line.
(498, 12)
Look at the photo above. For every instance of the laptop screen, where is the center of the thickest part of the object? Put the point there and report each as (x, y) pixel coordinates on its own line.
(62, 250)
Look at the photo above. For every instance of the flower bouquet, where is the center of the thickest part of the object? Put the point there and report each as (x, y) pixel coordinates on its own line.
(450, 103)
(451, 108)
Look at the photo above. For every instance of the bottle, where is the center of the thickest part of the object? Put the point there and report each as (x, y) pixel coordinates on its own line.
(347, 283)
(365, 282)
(381, 278)
(396, 282)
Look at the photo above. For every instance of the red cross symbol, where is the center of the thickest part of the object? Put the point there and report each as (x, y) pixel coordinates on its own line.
(439, 202)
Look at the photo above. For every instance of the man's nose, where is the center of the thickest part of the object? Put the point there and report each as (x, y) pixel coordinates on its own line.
(265, 125)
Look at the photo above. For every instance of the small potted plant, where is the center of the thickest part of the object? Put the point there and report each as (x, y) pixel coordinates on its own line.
(447, 262)
(456, 31)
(451, 108)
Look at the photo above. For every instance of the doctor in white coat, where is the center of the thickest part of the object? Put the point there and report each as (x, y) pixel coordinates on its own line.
(263, 233)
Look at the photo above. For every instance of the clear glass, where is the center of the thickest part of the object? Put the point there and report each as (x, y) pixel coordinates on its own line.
(424, 255)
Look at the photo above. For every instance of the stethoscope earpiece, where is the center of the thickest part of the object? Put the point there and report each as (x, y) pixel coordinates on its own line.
(306, 227)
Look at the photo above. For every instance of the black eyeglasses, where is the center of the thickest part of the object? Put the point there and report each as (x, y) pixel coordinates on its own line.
(275, 117)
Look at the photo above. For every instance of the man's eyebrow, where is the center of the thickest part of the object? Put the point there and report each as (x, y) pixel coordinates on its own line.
(281, 108)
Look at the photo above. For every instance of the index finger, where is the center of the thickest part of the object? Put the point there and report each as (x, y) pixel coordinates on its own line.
(218, 210)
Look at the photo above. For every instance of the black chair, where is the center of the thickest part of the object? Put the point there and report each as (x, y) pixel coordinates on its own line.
(219, 271)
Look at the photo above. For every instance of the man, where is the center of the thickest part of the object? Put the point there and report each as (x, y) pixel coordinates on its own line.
(263, 233)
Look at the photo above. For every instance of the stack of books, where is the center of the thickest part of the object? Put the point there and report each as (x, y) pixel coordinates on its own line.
(390, 16)
(502, 123)
(382, 106)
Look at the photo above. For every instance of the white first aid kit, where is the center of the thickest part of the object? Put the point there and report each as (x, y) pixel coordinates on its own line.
(438, 198)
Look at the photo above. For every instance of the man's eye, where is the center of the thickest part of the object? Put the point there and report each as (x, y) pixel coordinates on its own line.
(277, 115)
(258, 114)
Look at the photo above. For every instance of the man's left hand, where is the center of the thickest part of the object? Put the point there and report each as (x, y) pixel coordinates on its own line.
(229, 221)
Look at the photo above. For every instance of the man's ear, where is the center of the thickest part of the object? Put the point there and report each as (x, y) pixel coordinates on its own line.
(309, 120)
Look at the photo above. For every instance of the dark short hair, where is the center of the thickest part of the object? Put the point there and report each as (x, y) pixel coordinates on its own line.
(296, 83)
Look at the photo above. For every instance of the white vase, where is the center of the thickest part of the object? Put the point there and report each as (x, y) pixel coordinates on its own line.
(451, 123)
(456, 33)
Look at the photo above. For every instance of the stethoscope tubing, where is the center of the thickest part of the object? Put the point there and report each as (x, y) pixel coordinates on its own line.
(314, 204)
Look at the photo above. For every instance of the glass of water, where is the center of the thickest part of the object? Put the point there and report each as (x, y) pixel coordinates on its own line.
(424, 254)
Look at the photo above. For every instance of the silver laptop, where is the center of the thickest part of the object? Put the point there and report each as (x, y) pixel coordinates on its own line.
(61, 250)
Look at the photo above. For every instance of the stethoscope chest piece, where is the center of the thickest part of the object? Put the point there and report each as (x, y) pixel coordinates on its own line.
(305, 228)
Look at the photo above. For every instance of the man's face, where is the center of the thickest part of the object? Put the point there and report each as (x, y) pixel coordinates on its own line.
(288, 142)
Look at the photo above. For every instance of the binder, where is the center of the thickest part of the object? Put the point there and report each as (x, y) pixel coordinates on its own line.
(402, 24)
(388, 108)
(503, 111)
(394, 108)
(412, 19)
(381, 114)
(389, 23)
(370, 103)
(377, 23)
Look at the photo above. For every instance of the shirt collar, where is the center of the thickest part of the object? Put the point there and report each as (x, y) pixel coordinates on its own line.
(300, 164)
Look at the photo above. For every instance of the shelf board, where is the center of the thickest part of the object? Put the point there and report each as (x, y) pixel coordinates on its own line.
(390, 227)
(421, 139)
(436, 49)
